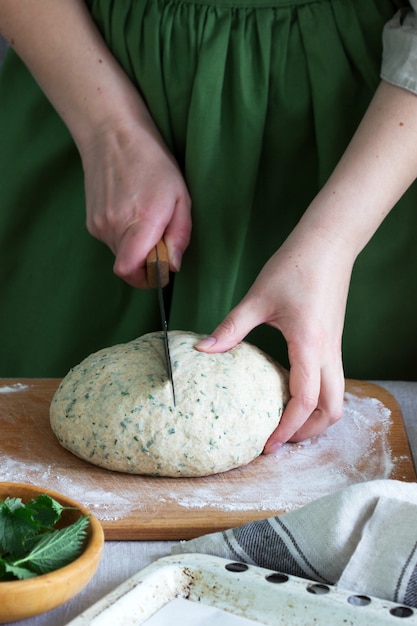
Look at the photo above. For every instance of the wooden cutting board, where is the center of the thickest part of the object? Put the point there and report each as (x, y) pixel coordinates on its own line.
(369, 443)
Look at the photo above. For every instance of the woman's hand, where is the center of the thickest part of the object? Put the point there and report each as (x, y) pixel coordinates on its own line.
(302, 292)
(135, 194)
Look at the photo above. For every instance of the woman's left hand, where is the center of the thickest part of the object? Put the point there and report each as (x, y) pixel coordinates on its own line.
(301, 291)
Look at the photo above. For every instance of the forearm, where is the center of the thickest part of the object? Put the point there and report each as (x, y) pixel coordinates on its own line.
(377, 168)
(61, 46)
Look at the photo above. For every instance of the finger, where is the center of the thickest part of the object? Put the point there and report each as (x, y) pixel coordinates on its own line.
(318, 422)
(328, 410)
(178, 233)
(233, 329)
(330, 405)
(132, 250)
(304, 388)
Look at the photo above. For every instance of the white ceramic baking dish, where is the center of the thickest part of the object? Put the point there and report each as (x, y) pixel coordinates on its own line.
(254, 593)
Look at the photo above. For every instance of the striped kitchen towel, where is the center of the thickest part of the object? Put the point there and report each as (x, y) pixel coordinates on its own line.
(362, 538)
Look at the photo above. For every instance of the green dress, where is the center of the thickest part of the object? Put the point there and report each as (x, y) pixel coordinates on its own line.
(257, 99)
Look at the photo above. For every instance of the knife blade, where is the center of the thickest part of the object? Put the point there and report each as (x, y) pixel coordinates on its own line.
(157, 267)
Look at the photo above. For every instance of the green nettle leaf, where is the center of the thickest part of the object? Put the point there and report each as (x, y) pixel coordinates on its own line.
(13, 503)
(45, 510)
(13, 571)
(56, 549)
(30, 544)
(15, 528)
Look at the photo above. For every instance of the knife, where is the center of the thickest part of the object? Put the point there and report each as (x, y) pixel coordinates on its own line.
(157, 267)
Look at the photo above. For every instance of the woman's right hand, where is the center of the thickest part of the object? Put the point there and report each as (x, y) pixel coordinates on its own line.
(135, 195)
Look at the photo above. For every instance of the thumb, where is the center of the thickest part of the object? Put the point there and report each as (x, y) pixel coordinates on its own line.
(230, 332)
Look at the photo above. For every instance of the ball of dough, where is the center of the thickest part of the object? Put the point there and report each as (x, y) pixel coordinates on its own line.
(115, 409)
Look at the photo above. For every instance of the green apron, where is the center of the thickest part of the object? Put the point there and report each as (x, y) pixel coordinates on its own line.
(257, 99)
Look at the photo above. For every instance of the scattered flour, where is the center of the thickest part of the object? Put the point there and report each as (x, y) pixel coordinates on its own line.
(107, 506)
(13, 388)
(356, 449)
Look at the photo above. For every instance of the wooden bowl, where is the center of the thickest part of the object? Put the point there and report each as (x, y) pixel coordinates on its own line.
(20, 599)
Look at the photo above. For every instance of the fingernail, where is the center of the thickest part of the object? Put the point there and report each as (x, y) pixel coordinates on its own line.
(273, 448)
(205, 343)
(176, 260)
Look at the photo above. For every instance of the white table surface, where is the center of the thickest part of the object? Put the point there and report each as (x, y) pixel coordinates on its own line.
(122, 559)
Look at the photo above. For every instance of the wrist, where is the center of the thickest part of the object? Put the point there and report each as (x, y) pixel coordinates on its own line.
(112, 119)
(333, 229)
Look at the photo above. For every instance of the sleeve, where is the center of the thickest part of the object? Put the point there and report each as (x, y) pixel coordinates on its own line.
(399, 58)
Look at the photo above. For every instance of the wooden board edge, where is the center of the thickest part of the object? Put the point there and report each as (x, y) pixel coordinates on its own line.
(180, 530)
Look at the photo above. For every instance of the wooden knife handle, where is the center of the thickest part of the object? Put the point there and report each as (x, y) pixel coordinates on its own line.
(158, 253)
